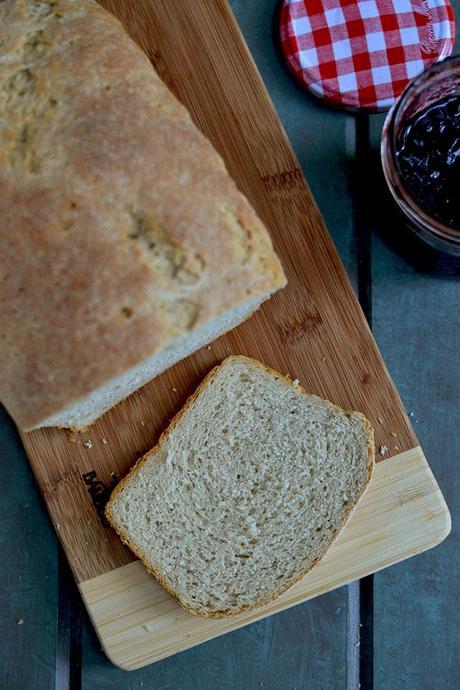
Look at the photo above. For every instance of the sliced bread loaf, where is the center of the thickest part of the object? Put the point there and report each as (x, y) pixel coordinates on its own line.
(245, 491)
(124, 243)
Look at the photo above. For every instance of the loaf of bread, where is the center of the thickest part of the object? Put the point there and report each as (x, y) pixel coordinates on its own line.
(245, 491)
(124, 243)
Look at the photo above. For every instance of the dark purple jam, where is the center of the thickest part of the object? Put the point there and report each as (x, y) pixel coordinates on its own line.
(428, 158)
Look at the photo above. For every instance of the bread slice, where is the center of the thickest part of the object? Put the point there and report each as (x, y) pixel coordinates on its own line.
(245, 491)
(124, 243)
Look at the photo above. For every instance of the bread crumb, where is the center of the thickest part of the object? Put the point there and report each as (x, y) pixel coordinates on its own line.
(295, 382)
(395, 447)
(20, 621)
(323, 359)
(142, 423)
(104, 441)
(88, 444)
(411, 414)
(380, 420)
(209, 347)
(383, 450)
(58, 526)
(174, 390)
(392, 433)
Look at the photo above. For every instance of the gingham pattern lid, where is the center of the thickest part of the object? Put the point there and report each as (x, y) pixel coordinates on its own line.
(362, 53)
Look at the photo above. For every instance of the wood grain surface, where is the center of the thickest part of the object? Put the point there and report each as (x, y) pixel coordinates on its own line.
(401, 514)
(313, 330)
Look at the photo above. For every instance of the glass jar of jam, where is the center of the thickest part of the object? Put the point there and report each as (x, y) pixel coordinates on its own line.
(421, 155)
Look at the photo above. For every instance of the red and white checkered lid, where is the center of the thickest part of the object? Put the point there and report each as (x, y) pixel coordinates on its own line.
(362, 53)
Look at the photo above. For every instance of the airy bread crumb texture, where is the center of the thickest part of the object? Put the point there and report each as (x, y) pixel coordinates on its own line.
(245, 491)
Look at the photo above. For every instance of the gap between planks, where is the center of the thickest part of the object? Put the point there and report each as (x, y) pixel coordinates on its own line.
(360, 643)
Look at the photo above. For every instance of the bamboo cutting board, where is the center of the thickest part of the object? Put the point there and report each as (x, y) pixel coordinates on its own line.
(313, 330)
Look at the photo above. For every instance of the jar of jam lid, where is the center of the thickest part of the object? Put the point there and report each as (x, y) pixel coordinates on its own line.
(421, 155)
(362, 53)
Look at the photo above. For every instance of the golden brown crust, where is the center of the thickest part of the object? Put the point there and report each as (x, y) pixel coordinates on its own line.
(369, 431)
(120, 228)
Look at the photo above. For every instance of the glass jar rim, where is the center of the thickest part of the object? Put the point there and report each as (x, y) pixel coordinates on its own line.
(388, 150)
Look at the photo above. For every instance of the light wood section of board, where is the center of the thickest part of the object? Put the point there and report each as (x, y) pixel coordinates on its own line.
(401, 514)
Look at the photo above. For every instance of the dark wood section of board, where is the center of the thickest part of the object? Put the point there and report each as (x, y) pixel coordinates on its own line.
(314, 329)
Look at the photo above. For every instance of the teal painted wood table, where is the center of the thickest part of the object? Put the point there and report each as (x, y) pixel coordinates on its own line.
(398, 629)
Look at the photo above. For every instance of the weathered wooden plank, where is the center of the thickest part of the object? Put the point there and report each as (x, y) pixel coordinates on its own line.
(313, 328)
(306, 646)
(416, 296)
(28, 573)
